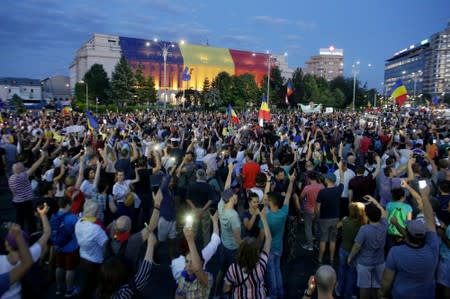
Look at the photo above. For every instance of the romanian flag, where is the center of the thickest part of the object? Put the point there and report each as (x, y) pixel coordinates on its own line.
(91, 122)
(66, 111)
(264, 111)
(436, 101)
(289, 90)
(398, 92)
(232, 115)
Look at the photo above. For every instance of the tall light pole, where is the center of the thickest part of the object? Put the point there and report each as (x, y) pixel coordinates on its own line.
(87, 90)
(268, 75)
(165, 47)
(355, 70)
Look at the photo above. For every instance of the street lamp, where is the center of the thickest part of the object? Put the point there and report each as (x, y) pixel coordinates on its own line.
(419, 72)
(165, 48)
(355, 71)
(87, 102)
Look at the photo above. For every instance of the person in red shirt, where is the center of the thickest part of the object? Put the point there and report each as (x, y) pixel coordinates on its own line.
(249, 171)
(364, 145)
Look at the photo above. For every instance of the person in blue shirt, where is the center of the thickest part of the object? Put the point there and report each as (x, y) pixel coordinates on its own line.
(276, 218)
(410, 268)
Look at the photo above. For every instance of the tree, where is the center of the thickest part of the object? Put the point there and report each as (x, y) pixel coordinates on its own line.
(17, 102)
(122, 82)
(245, 91)
(276, 87)
(298, 87)
(98, 83)
(223, 83)
(312, 92)
(145, 88)
(339, 98)
(212, 98)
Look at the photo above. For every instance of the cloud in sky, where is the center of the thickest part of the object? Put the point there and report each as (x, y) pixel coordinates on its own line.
(268, 20)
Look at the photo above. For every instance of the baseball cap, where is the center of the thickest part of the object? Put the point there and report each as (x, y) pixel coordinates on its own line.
(227, 194)
(331, 177)
(416, 228)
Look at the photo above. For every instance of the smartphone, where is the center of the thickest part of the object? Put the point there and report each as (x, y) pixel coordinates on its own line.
(189, 221)
(422, 184)
(260, 206)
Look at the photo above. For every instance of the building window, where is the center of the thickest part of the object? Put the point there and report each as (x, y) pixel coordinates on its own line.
(32, 90)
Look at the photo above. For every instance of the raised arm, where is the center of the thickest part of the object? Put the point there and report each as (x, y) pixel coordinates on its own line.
(267, 233)
(377, 204)
(38, 163)
(26, 261)
(80, 173)
(196, 261)
(230, 174)
(427, 210)
(288, 195)
(46, 230)
(97, 174)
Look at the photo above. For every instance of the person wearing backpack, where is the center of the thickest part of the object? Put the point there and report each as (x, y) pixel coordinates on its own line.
(65, 247)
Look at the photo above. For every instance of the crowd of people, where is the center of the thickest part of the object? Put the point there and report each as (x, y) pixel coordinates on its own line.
(97, 196)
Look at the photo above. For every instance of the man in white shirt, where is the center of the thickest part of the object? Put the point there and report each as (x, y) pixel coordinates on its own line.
(348, 175)
(91, 237)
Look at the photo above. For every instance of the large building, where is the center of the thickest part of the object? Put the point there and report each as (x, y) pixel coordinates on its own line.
(29, 90)
(423, 67)
(204, 61)
(329, 64)
(56, 88)
(409, 66)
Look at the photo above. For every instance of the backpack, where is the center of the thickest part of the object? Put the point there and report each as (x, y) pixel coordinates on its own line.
(392, 230)
(59, 236)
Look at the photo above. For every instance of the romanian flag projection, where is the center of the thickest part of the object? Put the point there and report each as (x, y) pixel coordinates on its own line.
(398, 92)
(233, 115)
(289, 90)
(264, 111)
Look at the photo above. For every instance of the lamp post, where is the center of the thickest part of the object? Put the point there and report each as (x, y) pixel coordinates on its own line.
(87, 90)
(268, 75)
(355, 70)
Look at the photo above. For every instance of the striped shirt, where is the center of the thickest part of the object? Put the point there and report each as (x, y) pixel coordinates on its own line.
(245, 285)
(140, 281)
(20, 186)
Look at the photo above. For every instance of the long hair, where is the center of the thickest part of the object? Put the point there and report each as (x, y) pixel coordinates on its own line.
(357, 213)
(113, 274)
(248, 254)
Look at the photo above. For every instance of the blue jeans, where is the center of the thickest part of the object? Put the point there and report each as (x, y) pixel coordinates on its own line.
(274, 275)
(346, 275)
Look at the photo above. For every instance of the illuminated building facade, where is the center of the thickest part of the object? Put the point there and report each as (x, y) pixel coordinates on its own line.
(205, 61)
(329, 64)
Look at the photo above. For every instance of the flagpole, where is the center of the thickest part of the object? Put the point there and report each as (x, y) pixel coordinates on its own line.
(268, 77)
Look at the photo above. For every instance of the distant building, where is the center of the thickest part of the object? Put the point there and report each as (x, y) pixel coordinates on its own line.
(56, 88)
(409, 66)
(282, 64)
(423, 67)
(29, 90)
(205, 61)
(329, 64)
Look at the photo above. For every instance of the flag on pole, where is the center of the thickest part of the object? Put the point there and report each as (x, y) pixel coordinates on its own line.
(289, 92)
(398, 92)
(91, 122)
(436, 101)
(233, 115)
(264, 111)
(187, 73)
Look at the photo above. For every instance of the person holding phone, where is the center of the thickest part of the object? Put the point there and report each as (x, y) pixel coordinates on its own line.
(250, 217)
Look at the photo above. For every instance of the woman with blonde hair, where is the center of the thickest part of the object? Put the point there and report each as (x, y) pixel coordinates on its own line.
(350, 226)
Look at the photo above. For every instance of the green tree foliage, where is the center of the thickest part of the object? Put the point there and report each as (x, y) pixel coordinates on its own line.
(145, 88)
(98, 83)
(245, 90)
(17, 102)
(298, 87)
(122, 82)
(277, 87)
(224, 83)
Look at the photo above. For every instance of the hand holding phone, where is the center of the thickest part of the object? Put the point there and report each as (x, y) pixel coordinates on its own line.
(422, 184)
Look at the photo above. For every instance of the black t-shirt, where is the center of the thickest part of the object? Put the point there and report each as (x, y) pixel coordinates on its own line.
(199, 193)
(73, 151)
(329, 199)
(51, 202)
(144, 185)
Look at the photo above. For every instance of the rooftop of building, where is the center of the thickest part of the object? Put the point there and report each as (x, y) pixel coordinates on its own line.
(20, 81)
(411, 49)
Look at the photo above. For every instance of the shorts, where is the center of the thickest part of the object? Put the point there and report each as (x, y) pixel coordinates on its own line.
(226, 257)
(67, 260)
(166, 229)
(369, 277)
(443, 272)
(328, 229)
